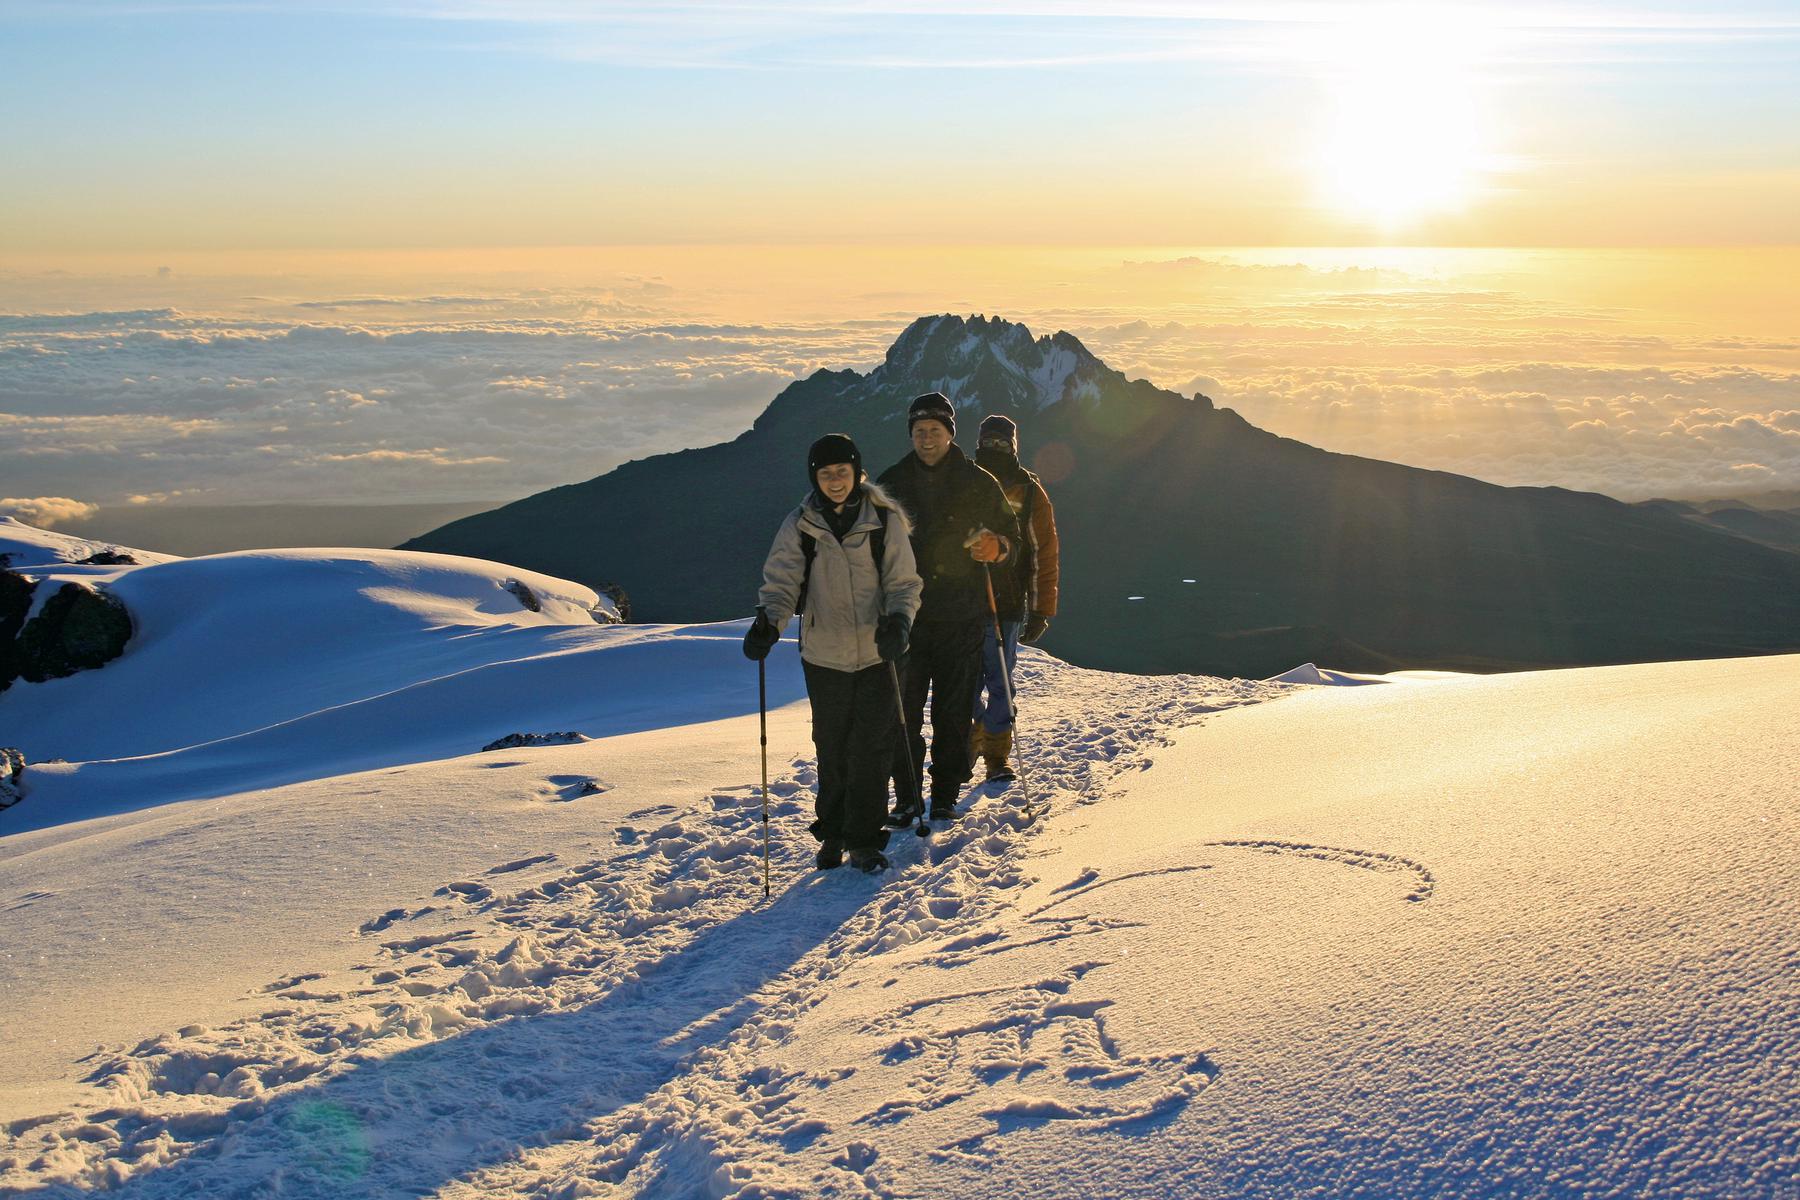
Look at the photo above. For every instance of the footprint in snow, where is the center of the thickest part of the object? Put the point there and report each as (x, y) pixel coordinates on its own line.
(1417, 875)
(519, 864)
(1008, 1059)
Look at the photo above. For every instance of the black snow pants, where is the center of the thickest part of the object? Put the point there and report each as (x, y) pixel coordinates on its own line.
(944, 659)
(854, 726)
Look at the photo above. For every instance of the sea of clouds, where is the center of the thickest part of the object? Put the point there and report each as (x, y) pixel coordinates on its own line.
(452, 396)
(160, 406)
(1592, 410)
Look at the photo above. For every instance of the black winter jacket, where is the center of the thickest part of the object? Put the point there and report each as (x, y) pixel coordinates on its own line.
(947, 503)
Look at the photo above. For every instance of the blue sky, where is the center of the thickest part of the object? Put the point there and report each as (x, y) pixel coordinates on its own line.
(142, 127)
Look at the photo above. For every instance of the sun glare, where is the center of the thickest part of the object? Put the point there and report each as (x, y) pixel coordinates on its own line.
(1404, 133)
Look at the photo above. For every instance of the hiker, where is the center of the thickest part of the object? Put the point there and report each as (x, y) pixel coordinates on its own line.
(843, 560)
(960, 522)
(1024, 594)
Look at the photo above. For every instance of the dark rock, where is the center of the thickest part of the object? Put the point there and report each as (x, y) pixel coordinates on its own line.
(12, 773)
(108, 558)
(514, 741)
(78, 628)
(15, 605)
(525, 595)
(621, 602)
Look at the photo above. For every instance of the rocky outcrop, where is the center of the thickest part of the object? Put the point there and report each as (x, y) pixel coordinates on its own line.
(602, 616)
(524, 595)
(78, 628)
(621, 605)
(15, 606)
(12, 776)
(108, 558)
(515, 741)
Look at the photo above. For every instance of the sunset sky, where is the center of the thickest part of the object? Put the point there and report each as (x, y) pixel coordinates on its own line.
(469, 250)
(144, 126)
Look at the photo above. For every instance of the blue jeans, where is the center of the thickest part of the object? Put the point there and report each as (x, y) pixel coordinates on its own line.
(992, 688)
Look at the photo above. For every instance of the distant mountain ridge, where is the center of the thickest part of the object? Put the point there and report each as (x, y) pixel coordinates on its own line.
(1777, 527)
(1192, 541)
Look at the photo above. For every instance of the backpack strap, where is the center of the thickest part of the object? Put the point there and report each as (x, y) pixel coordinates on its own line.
(809, 549)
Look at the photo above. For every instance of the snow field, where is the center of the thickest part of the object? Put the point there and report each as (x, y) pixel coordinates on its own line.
(591, 1004)
(1520, 936)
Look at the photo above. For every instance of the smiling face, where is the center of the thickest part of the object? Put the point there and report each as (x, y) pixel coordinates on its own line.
(836, 481)
(930, 441)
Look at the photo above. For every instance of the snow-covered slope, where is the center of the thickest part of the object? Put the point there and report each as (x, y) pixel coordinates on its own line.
(257, 668)
(27, 548)
(1522, 936)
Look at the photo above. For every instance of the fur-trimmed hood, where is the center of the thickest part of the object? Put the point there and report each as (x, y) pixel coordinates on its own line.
(877, 497)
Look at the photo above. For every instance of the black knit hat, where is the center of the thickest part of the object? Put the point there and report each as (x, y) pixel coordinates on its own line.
(932, 406)
(830, 450)
(999, 428)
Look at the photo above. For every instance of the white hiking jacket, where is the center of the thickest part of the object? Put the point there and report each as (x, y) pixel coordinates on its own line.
(845, 594)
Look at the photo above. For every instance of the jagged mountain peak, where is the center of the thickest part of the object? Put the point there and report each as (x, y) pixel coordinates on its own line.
(990, 360)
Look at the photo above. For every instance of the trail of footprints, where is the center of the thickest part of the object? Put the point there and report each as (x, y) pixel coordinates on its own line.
(733, 1119)
(538, 934)
(555, 942)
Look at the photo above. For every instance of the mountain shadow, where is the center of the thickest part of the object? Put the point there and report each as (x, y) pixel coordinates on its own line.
(1192, 540)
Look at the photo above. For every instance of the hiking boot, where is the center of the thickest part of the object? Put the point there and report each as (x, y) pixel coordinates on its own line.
(869, 862)
(902, 816)
(996, 751)
(978, 736)
(831, 854)
(943, 812)
(944, 794)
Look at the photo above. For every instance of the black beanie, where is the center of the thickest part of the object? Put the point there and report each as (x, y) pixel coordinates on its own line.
(830, 450)
(997, 427)
(932, 406)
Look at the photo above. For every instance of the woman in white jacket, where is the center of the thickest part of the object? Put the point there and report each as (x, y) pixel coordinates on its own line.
(843, 560)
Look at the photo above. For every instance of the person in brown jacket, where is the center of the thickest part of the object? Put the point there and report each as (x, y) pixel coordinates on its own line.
(1024, 593)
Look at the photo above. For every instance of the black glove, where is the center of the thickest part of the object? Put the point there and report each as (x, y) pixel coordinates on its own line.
(762, 637)
(1035, 625)
(890, 636)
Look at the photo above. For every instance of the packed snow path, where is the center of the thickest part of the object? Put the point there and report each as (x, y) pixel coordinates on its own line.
(603, 1002)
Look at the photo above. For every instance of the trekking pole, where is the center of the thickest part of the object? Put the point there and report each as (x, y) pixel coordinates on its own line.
(762, 710)
(912, 776)
(1006, 683)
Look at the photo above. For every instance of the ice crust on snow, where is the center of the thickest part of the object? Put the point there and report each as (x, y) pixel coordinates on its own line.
(1523, 936)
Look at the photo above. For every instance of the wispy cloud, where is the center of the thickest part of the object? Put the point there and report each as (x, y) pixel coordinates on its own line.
(1001, 34)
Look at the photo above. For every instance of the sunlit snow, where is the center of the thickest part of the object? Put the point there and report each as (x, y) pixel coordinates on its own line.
(280, 927)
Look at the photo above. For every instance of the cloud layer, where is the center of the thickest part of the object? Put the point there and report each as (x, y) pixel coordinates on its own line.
(467, 393)
(146, 407)
(1493, 386)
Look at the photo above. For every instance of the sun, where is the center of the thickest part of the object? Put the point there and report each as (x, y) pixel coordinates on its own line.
(1405, 132)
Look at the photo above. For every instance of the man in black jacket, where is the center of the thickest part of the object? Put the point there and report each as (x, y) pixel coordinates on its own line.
(961, 524)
